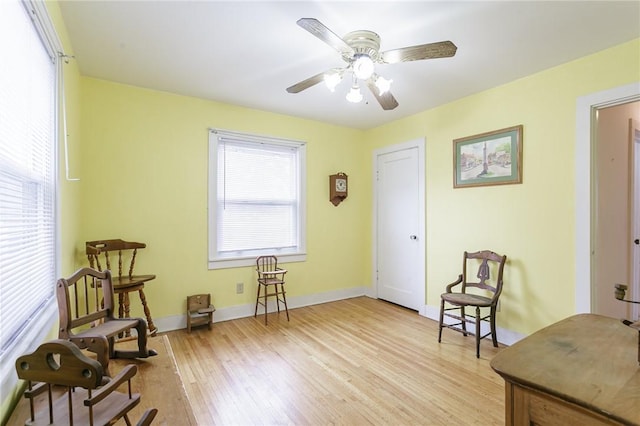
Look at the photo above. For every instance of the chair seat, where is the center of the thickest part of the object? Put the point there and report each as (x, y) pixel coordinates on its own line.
(466, 299)
(270, 281)
(109, 328)
(118, 404)
(120, 283)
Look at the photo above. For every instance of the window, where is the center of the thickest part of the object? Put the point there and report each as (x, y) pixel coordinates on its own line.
(28, 261)
(256, 199)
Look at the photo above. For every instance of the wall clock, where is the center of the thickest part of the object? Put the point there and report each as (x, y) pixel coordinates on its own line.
(338, 188)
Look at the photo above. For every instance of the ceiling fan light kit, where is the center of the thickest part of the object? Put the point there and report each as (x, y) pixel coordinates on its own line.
(361, 51)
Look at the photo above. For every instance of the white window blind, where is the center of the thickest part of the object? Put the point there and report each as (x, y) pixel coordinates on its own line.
(258, 207)
(27, 177)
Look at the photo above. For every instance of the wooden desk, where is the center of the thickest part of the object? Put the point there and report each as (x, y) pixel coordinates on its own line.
(580, 371)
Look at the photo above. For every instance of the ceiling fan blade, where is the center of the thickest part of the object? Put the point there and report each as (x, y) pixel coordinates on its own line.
(305, 84)
(442, 49)
(386, 100)
(319, 30)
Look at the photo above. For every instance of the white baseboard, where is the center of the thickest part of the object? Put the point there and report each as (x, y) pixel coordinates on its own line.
(505, 336)
(177, 322)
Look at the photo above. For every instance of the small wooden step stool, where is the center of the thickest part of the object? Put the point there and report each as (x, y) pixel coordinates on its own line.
(199, 311)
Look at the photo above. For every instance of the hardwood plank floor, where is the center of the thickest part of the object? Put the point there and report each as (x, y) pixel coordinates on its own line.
(351, 362)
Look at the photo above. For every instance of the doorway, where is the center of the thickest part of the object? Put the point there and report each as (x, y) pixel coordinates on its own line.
(614, 208)
(399, 225)
(586, 193)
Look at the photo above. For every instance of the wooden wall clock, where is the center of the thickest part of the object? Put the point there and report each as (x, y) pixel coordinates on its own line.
(338, 188)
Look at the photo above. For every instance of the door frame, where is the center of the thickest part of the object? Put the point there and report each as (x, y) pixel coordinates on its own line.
(421, 232)
(634, 189)
(585, 188)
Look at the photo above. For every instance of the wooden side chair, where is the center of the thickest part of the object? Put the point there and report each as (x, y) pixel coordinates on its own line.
(102, 253)
(85, 308)
(199, 311)
(271, 280)
(61, 363)
(485, 296)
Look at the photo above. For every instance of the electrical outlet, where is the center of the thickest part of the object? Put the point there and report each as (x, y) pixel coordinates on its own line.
(239, 288)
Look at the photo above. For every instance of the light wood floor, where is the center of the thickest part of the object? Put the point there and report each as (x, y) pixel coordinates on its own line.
(352, 362)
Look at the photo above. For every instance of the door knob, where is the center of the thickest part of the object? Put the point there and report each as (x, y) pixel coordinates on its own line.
(415, 237)
(636, 241)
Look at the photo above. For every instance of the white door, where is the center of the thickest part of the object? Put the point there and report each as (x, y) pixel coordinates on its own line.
(400, 224)
(634, 154)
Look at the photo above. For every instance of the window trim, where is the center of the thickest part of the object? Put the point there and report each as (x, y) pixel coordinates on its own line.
(217, 262)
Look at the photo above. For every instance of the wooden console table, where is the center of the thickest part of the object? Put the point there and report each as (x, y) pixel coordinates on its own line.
(580, 371)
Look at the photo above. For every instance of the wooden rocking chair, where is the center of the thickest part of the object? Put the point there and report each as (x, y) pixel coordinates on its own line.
(61, 363)
(85, 308)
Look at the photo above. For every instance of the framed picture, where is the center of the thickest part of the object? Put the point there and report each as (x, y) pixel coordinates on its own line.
(492, 158)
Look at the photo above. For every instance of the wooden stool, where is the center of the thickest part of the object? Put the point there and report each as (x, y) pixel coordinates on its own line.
(199, 311)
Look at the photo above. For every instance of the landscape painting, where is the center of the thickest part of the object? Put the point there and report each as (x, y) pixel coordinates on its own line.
(492, 158)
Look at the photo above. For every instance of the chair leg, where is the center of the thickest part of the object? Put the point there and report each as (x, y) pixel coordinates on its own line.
(284, 299)
(127, 310)
(492, 319)
(477, 332)
(264, 296)
(150, 326)
(143, 351)
(255, 314)
(264, 301)
(441, 320)
(278, 292)
(464, 322)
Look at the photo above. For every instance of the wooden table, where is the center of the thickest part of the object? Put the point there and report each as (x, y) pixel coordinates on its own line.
(580, 371)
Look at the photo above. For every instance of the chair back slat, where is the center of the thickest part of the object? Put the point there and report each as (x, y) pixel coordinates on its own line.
(266, 263)
(488, 264)
(84, 298)
(125, 251)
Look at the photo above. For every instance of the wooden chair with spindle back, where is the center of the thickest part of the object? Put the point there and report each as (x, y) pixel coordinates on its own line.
(85, 307)
(61, 363)
(486, 295)
(125, 282)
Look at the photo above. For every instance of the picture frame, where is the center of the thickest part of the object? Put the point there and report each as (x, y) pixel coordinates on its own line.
(492, 158)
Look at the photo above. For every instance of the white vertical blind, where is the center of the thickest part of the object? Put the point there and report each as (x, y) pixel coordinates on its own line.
(27, 174)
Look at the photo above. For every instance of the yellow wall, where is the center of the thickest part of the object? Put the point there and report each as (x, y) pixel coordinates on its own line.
(144, 178)
(146, 181)
(532, 223)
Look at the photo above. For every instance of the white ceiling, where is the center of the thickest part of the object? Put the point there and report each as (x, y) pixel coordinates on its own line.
(247, 53)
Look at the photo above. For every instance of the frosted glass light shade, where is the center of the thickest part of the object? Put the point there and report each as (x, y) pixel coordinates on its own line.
(354, 95)
(363, 67)
(332, 80)
(383, 85)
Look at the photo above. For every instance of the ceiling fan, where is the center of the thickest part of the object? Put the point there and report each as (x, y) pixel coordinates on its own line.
(361, 51)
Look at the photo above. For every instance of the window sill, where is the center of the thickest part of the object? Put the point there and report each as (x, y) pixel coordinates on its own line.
(251, 261)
